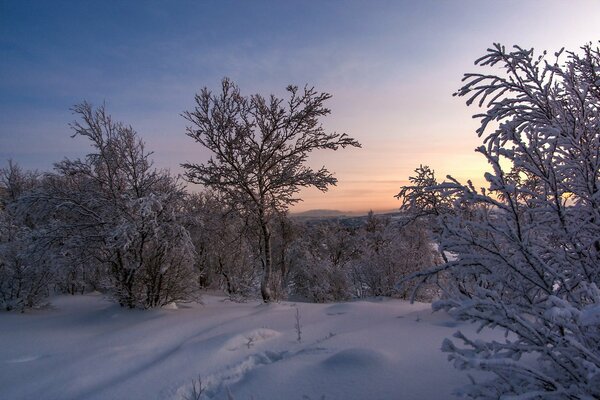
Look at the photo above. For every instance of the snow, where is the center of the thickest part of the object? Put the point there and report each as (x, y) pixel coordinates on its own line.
(86, 347)
(590, 316)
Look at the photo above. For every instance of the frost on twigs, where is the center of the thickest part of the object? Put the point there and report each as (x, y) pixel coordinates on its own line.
(526, 249)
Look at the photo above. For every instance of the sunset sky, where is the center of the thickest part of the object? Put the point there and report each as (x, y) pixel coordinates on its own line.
(391, 66)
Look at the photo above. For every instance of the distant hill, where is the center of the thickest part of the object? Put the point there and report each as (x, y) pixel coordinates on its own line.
(324, 213)
(321, 214)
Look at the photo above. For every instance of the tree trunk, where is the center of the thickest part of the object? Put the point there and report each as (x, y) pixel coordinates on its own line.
(265, 285)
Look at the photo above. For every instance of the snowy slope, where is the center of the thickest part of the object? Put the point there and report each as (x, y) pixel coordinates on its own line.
(88, 348)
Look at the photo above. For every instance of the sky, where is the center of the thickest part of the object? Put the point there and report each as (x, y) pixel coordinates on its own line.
(391, 67)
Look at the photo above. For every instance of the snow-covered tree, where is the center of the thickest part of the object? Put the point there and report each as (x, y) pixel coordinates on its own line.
(529, 245)
(418, 198)
(116, 216)
(259, 152)
(156, 249)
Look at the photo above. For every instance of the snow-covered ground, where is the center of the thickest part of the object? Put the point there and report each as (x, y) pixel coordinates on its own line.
(85, 347)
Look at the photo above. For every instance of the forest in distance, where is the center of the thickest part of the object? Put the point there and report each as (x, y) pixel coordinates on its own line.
(520, 256)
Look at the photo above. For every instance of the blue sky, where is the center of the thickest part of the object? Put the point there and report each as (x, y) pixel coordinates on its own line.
(390, 65)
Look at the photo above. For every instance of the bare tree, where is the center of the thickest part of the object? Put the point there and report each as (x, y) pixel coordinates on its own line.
(259, 151)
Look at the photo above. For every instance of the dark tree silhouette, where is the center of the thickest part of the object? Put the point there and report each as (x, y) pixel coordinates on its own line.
(259, 151)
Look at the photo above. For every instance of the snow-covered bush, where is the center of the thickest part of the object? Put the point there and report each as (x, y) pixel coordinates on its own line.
(113, 221)
(156, 251)
(226, 257)
(26, 269)
(337, 260)
(25, 272)
(529, 245)
(390, 251)
(327, 251)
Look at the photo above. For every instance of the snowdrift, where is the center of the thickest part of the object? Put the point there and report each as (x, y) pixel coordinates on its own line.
(85, 347)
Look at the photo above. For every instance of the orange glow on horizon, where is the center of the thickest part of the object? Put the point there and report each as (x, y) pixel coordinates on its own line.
(360, 196)
(370, 177)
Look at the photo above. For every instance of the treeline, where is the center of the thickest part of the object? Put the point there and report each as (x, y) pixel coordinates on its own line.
(111, 222)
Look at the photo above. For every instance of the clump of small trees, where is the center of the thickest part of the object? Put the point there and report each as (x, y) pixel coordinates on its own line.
(113, 223)
(340, 261)
(109, 221)
(523, 254)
